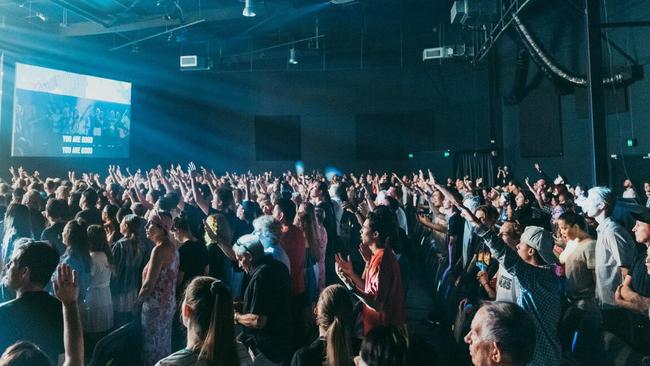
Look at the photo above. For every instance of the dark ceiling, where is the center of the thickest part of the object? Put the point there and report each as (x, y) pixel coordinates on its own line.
(366, 30)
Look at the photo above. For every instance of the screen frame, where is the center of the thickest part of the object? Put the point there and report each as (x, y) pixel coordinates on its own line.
(12, 104)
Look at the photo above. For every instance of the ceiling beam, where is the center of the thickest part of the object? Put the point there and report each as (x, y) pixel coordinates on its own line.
(92, 28)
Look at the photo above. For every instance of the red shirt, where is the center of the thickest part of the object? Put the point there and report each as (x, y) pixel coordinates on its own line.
(294, 243)
(384, 285)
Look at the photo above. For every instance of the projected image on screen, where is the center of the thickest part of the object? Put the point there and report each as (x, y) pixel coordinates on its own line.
(62, 114)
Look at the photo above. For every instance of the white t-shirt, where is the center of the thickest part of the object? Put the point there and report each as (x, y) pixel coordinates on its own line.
(508, 288)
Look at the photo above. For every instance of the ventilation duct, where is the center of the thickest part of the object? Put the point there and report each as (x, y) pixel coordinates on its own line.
(557, 73)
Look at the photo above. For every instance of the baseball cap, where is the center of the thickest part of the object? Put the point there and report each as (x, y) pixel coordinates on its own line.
(540, 240)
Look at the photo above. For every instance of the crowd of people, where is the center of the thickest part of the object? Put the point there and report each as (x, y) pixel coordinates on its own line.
(195, 268)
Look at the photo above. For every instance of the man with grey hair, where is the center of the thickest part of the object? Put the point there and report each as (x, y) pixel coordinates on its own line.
(501, 333)
(265, 314)
(269, 230)
(615, 252)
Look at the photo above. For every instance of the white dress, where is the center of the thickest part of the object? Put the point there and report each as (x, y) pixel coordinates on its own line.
(98, 305)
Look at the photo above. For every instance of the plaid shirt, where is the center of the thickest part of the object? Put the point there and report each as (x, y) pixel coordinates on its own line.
(540, 297)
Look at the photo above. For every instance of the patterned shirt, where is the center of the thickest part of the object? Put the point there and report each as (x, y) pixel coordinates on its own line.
(540, 297)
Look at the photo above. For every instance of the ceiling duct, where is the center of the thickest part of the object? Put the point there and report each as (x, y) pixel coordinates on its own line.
(557, 73)
(86, 10)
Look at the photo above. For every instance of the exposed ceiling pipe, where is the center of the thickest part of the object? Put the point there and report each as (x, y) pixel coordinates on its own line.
(283, 44)
(157, 34)
(83, 13)
(555, 71)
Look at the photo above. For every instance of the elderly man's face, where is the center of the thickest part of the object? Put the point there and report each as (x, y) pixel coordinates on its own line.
(641, 232)
(593, 205)
(245, 261)
(479, 349)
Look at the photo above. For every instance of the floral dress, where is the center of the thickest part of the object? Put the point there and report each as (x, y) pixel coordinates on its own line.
(157, 313)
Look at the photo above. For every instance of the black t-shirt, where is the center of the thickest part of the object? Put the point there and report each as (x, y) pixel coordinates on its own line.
(216, 261)
(91, 216)
(54, 235)
(268, 293)
(193, 257)
(35, 317)
(314, 354)
(640, 276)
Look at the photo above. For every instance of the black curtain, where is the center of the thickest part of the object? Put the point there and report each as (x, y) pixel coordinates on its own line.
(475, 164)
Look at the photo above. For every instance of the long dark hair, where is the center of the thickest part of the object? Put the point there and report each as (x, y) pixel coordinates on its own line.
(77, 245)
(335, 316)
(306, 220)
(18, 221)
(98, 242)
(135, 228)
(212, 312)
(111, 213)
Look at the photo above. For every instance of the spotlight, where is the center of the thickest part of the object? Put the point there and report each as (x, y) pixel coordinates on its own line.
(249, 9)
(292, 56)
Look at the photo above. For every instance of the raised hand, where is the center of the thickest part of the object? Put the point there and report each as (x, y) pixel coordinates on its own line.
(191, 170)
(66, 288)
(365, 252)
(344, 266)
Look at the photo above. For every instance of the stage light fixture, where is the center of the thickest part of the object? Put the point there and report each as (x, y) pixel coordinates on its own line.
(249, 9)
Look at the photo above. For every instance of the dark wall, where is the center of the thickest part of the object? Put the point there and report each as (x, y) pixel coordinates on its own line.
(208, 117)
(327, 103)
(560, 27)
